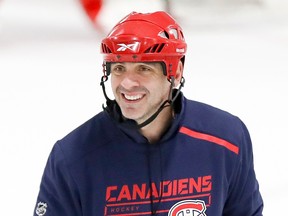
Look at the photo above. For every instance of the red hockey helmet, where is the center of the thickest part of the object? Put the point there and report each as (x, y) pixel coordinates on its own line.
(145, 37)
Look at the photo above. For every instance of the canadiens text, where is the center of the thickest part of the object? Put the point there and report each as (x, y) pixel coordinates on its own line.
(179, 187)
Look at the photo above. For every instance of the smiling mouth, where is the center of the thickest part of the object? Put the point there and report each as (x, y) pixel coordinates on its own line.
(133, 97)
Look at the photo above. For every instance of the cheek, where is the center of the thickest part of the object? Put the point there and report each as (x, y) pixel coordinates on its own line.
(114, 84)
(162, 89)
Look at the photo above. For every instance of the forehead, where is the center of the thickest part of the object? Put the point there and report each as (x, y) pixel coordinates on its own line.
(135, 64)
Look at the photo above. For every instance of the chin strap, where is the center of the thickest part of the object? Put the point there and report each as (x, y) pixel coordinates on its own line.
(167, 103)
(102, 83)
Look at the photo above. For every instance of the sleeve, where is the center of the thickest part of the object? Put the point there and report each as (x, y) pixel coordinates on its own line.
(244, 197)
(58, 194)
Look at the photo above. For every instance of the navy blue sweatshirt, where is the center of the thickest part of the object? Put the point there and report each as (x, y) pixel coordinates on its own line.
(203, 165)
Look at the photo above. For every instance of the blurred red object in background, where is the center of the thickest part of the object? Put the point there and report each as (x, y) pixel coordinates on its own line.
(92, 8)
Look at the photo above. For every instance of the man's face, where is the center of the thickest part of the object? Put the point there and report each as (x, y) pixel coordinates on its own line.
(139, 88)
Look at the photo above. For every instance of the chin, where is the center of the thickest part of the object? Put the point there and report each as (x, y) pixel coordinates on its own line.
(138, 117)
(132, 117)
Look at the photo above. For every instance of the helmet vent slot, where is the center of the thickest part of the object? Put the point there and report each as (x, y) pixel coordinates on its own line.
(157, 48)
(164, 34)
(105, 49)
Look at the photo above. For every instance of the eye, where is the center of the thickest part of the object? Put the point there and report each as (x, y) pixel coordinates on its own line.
(117, 69)
(144, 68)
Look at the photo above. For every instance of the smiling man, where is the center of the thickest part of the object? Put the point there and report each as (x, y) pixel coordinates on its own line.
(136, 90)
(151, 151)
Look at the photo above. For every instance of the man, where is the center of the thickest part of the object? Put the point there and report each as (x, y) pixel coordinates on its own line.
(151, 151)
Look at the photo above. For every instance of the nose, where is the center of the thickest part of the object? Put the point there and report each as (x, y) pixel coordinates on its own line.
(130, 80)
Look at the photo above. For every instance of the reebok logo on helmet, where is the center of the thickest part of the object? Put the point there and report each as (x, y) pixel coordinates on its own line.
(133, 47)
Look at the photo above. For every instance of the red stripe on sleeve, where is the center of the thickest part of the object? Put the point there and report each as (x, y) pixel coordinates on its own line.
(210, 138)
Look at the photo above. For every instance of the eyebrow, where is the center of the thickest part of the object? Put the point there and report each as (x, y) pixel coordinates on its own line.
(141, 63)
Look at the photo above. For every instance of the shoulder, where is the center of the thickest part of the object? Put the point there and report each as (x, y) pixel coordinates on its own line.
(88, 137)
(213, 121)
(205, 112)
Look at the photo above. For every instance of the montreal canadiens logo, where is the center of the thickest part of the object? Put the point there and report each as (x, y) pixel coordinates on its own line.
(188, 208)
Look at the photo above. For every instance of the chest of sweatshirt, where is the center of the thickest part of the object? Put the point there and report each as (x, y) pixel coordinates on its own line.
(113, 169)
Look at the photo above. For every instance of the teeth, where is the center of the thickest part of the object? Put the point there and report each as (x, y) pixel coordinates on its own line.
(132, 97)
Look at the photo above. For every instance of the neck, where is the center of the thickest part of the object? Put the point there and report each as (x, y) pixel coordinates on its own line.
(154, 131)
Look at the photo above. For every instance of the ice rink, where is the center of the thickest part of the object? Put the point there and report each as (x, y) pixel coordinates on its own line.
(50, 69)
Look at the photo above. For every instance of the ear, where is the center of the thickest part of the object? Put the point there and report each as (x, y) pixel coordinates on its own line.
(179, 73)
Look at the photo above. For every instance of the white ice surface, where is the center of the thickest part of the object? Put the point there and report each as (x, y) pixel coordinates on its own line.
(50, 70)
